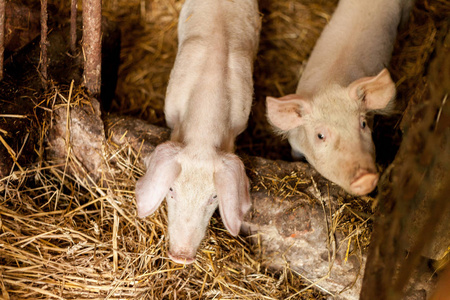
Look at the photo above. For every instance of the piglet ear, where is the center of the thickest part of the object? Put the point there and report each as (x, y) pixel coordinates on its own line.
(287, 112)
(376, 91)
(162, 170)
(233, 192)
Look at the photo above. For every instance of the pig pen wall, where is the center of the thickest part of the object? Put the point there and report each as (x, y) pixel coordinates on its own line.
(68, 237)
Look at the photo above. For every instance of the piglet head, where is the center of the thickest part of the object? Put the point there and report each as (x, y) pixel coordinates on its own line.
(194, 187)
(331, 130)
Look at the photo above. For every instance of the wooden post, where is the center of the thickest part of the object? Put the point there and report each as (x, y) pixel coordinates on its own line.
(92, 16)
(416, 191)
(44, 31)
(73, 25)
(2, 35)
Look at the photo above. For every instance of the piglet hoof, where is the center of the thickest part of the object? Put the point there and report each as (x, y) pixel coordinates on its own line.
(181, 258)
(364, 184)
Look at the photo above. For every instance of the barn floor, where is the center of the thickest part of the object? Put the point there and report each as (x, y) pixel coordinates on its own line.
(64, 238)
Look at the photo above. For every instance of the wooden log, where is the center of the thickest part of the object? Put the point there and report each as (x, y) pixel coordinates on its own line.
(73, 25)
(44, 42)
(2, 35)
(92, 19)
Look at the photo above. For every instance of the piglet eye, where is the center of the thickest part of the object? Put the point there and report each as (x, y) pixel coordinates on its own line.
(215, 196)
(363, 124)
(320, 136)
(171, 189)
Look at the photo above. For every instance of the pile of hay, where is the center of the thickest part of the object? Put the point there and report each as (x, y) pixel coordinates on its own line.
(63, 238)
(66, 237)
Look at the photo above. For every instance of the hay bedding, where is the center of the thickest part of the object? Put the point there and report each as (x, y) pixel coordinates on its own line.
(63, 238)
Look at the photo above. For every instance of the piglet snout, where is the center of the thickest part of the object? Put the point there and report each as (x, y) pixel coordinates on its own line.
(182, 257)
(364, 183)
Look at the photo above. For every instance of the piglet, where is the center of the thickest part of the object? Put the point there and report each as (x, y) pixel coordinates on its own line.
(345, 79)
(207, 105)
